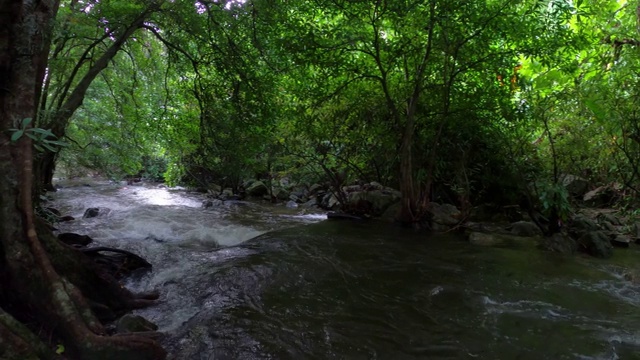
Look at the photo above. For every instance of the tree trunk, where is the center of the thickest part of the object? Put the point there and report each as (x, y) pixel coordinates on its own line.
(407, 186)
(30, 281)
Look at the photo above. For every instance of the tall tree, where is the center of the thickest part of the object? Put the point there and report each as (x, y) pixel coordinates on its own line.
(88, 37)
(38, 275)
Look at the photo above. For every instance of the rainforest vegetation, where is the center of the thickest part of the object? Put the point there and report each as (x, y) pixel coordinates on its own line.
(476, 101)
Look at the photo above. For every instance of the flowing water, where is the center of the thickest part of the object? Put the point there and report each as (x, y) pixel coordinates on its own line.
(247, 280)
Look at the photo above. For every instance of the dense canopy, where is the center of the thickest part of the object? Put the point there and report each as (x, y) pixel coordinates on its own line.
(466, 102)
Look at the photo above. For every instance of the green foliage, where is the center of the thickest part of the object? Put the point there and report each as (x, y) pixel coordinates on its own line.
(554, 197)
(42, 139)
(219, 93)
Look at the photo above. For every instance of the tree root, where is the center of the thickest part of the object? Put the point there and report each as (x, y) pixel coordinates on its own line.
(18, 342)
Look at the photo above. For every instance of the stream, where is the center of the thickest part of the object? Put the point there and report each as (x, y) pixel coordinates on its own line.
(250, 280)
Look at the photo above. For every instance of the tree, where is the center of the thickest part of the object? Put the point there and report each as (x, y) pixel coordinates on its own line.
(77, 60)
(39, 275)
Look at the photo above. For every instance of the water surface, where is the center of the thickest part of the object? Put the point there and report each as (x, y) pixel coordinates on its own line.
(256, 281)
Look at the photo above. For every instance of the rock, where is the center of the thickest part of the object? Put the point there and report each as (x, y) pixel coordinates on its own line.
(315, 188)
(599, 197)
(379, 200)
(212, 203)
(134, 323)
(227, 192)
(581, 225)
(445, 214)
(75, 239)
(292, 204)
(610, 219)
(483, 239)
(91, 212)
(636, 232)
(215, 188)
(285, 182)
(300, 192)
(525, 228)
(342, 216)
(66, 218)
(119, 263)
(233, 197)
(496, 239)
(375, 185)
(560, 243)
(596, 243)
(621, 241)
(311, 203)
(391, 214)
(282, 194)
(257, 189)
(632, 276)
(607, 226)
(351, 188)
(329, 202)
(248, 183)
(576, 186)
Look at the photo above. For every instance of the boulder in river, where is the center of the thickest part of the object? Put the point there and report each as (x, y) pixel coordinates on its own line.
(257, 189)
(74, 239)
(96, 211)
(596, 243)
(91, 212)
(581, 225)
(379, 200)
(444, 214)
(560, 243)
(119, 263)
(493, 239)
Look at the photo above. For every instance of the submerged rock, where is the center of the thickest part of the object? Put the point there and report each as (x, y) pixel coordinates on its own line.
(560, 243)
(493, 239)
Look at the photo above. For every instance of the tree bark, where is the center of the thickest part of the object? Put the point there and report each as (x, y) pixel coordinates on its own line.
(29, 279)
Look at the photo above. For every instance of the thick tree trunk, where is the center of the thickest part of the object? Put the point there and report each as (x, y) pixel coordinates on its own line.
(29, 280)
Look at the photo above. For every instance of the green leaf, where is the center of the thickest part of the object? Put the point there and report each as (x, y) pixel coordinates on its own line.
(49, 147)
(17, 135)
(596, 109)
(57, 142)
(25, 122)
(45, 132)
(60, 349)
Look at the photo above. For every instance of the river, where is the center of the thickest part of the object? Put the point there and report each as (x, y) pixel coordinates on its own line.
(247, 280)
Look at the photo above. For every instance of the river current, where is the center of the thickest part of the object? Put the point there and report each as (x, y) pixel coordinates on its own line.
(250, 280)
